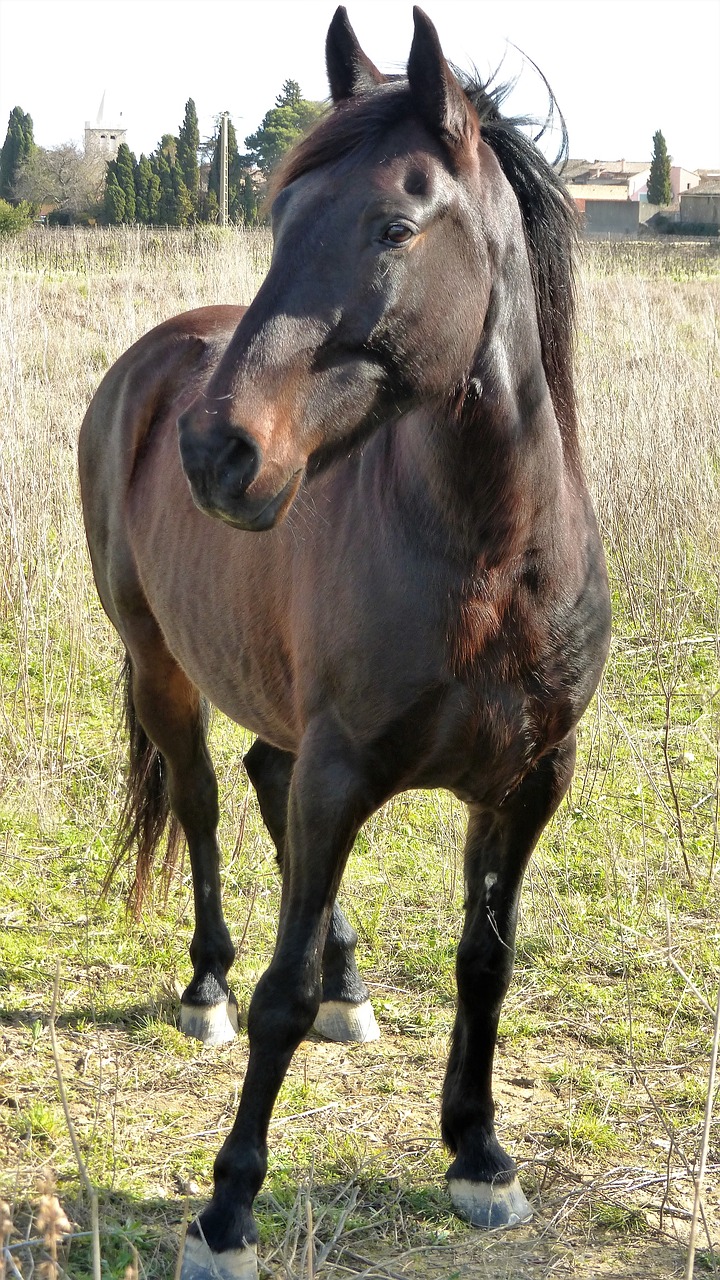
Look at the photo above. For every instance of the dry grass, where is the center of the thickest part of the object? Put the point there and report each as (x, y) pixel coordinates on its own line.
(602, 1073)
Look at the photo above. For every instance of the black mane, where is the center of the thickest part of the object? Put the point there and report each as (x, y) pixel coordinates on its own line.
(351, 132)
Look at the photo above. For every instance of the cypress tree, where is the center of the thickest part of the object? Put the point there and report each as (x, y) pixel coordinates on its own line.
(184, 209)
(114, 199)
(143, 177)
(17, 148)
(188, 145)
(153, 196)
(124, 168)
(659, 188)
(249, 202)
(167, 204)
(210, 210)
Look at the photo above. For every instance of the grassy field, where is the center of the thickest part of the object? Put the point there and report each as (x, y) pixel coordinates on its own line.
(602, 1073)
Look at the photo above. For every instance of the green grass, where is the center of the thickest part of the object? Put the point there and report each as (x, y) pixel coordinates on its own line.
(604, 1047)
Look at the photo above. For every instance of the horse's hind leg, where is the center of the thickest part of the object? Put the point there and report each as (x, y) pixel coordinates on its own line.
(345, 1012)
(169, 709)
(482, 1179)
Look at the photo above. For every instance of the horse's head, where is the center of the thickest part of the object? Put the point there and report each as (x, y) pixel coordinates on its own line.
(387, 220)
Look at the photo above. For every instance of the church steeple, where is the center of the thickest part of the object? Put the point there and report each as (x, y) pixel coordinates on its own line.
(104, 137)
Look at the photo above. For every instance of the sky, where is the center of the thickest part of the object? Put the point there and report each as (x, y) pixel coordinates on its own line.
(619, 69)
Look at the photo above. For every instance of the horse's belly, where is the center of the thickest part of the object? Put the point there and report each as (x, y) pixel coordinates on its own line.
(248, 688)
(207, 589)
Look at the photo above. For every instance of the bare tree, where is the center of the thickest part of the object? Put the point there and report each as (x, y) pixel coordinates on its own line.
(63, 176)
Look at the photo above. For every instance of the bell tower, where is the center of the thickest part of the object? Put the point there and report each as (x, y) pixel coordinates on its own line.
(103, 138)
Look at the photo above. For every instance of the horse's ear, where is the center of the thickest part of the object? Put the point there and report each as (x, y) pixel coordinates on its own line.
(437, 95)
(349, 70)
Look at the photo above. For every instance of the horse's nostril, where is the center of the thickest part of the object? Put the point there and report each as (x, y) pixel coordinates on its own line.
(238, 462)
(221, 461)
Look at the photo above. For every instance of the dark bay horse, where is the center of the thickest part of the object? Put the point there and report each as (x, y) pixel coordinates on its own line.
(374, 547)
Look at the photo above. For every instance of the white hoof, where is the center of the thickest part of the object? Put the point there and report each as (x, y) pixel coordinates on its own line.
(338, 1020)
(484, 1204)
(200, 1263)
(213, 1024)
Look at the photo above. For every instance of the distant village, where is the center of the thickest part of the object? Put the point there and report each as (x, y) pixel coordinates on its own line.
(611, 195)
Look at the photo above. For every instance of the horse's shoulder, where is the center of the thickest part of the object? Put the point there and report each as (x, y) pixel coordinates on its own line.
(191, 331)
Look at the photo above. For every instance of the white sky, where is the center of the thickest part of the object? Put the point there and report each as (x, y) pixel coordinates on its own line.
(620, 69)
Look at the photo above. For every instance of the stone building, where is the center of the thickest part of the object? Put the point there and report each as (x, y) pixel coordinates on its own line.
(103, 138)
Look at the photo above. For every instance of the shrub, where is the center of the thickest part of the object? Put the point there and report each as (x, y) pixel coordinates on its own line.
(14, 217)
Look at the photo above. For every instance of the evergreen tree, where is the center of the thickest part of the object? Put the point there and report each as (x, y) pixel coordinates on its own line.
(659, 189)
(168, 147)
(17, 148)
(153, 196)
(114, 199)
(210, 208)
(167, 204)
(124, 166)
(143, 178)
(290, 95)
(184, 208)
(188, 145)
(282, 126)
(249, 202)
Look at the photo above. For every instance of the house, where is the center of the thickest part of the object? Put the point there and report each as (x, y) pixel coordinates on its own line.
(612, 196)
(620, 180)
(606, 180)
(700, 205)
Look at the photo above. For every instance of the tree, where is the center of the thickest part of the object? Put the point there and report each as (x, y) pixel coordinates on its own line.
(659, 189)
(143, 177)
(17, 148)
(114, 200)
(123, 169)
(63, 176)
(282, 126)
(168, 147)
(184, 208)
(147, 191)
(188, 145)
(249, 202)
(167, 203)
(14, 217)
(153, 198)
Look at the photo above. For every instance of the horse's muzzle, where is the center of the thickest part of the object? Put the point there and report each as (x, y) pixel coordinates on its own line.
(221, 466)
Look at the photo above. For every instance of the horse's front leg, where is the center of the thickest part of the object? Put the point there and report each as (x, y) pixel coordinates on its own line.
(345, 1012)
(482, 1179)
(329, 800)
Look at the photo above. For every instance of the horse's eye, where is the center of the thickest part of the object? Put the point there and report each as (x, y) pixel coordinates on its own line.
(398, 233)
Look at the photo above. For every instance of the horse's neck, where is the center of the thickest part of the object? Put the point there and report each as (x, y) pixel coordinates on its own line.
(489, 467)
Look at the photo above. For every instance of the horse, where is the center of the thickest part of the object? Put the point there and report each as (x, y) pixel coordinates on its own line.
(353, 516)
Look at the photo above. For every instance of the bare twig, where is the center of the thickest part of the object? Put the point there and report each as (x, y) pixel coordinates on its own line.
(8, 1262)
(90, 1190)
(183, 1233)
(700, 1176)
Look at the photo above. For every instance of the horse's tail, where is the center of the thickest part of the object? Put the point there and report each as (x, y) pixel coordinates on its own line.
(146, 813)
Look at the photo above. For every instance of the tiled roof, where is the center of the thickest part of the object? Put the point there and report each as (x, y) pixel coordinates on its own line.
(603, 171)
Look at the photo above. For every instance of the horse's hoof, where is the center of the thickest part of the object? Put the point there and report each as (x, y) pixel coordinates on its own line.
(490, 1205)
(200, 1263)
(344, 1022)
(211, 1023)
